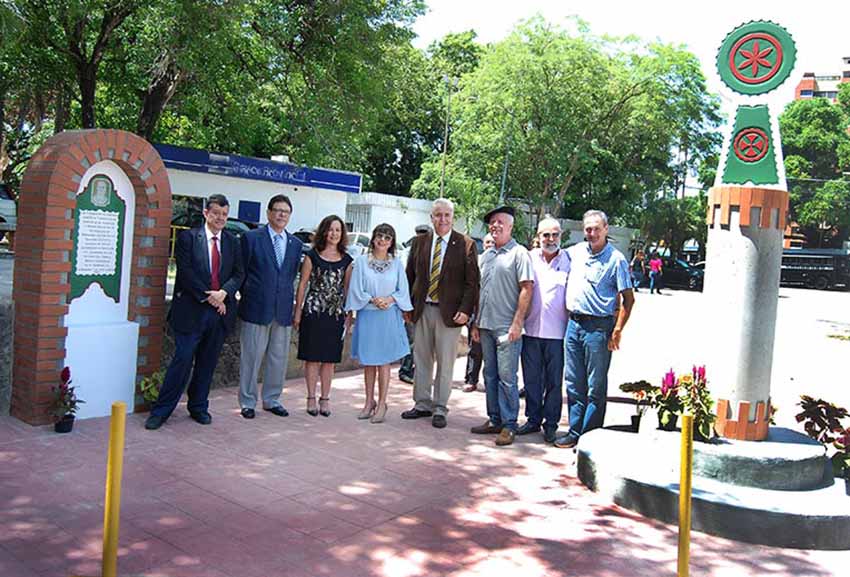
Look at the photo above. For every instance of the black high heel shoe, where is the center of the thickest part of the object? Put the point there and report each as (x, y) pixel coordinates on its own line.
(323, 406)
(311, 412)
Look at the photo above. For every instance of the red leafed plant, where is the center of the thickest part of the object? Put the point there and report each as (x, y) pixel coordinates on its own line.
(822, 422)
(65, 401)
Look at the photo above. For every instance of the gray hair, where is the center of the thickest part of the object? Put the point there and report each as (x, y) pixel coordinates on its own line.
(591, 213)
(547, 222)
(443, 202)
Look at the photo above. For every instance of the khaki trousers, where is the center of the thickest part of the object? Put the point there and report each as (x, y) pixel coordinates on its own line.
(433, 342)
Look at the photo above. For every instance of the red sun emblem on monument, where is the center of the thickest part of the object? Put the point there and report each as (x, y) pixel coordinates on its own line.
(751, 144)
(755, 58)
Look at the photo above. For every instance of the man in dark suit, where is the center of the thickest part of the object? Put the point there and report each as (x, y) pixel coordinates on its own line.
(272, 257)
(203, 310)
(442, 269)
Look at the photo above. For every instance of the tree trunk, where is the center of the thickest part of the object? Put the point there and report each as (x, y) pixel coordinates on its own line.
(61, 109)
(87, 79)
(157, 96)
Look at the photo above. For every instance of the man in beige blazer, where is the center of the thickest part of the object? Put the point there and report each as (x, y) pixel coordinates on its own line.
(442, 270)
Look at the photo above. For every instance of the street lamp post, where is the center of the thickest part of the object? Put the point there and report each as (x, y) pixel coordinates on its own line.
(505, 168)
(450, 82)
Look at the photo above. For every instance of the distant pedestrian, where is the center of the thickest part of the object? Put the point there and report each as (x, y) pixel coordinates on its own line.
(407, 369)
(656, 271)
(638, 266)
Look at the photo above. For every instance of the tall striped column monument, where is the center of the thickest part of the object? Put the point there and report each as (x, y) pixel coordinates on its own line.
(747, 210)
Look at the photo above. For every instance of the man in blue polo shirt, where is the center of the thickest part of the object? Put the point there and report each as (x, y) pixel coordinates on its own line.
(600, 300)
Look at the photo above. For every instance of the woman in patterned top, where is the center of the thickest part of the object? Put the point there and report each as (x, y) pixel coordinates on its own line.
(320, 316)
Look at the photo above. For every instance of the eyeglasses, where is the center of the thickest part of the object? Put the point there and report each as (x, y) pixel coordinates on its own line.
(386, 237)
(550, 234)
(280, 211)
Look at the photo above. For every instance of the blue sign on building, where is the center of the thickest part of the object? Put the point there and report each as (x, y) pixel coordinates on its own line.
(195, 160)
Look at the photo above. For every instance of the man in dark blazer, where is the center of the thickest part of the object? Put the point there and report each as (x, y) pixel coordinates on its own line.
(442, 270)
(203, 310)
(272, 257)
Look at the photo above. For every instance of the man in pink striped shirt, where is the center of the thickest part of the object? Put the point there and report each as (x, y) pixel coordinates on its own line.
(545, 326)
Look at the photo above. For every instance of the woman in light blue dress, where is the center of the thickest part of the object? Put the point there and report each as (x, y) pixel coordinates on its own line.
(378, 293)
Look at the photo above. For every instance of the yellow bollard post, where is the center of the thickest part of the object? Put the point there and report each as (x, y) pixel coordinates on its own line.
(112, 508)
(685, 495)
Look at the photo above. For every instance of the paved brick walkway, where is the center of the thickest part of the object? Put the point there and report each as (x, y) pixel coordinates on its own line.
(311, 496)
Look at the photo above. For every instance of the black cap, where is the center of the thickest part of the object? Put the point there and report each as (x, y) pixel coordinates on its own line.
(504, 208)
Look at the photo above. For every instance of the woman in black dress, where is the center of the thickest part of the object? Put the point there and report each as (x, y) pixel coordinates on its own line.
(320, 317)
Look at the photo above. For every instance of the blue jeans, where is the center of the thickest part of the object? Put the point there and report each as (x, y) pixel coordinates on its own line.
(542, 373)
(501, 361)
(588, 359)
(654, 282)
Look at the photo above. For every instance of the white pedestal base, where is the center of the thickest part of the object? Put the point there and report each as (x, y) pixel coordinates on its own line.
(102, 359)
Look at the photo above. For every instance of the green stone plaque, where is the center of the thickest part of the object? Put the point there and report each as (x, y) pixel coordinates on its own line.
(98, 239)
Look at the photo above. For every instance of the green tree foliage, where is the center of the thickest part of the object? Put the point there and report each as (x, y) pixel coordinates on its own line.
(473, 196)
(817, 154)
(584, 121)
(672, 221)
(248, 76)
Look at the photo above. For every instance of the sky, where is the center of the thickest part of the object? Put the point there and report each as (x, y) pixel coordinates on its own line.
(819, 29)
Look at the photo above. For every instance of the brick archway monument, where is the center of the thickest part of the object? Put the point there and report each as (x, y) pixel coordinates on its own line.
(91, 259)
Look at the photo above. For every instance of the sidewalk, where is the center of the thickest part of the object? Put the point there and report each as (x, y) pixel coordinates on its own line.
(310, 496)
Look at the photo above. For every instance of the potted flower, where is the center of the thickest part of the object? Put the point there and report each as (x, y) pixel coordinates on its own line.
(696, 399)
(641, 391)
(666, 400)
(65, 403)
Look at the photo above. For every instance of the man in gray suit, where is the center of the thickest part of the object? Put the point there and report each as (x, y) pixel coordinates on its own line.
(271, 257)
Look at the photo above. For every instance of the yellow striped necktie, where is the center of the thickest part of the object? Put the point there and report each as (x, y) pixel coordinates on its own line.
(434, 283)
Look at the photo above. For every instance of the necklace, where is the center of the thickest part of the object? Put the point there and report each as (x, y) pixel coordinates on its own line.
(378, 265)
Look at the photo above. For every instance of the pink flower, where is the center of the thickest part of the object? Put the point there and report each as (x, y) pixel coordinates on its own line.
(701, 373)
(668, 384)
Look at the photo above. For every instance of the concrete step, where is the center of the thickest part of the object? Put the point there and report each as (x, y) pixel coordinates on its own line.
(641, 472)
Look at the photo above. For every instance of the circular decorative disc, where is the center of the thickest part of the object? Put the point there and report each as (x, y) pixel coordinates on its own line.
(756, 57)
(751, 144)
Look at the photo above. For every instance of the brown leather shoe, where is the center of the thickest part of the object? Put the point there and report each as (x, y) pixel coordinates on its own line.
(487, 428)
(506, 437)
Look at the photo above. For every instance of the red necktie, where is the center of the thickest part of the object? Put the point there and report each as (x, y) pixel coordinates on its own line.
(216, 264)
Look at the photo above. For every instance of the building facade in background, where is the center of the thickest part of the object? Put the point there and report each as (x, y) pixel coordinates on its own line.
(824, 85)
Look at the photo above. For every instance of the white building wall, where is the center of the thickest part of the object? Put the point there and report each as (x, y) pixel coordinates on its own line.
(403, 213)
(310, 205)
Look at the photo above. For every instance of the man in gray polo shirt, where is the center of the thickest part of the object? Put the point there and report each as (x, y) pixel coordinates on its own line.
(507, 279)
(600, 300)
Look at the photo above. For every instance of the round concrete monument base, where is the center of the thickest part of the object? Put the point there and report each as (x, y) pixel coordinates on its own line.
(778, 492)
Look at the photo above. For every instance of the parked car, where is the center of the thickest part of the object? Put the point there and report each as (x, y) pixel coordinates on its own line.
(194, 219)
(358, 243)
(8, 212)
(677, 273)
(306, 237)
